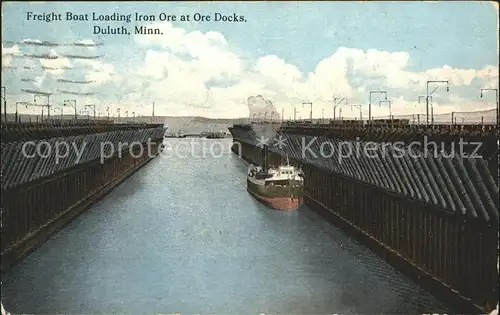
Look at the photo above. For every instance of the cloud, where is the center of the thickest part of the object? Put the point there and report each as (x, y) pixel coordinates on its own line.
(55, 65)
(206, 54)
(100, 72)
(196, 73)
(8, 53)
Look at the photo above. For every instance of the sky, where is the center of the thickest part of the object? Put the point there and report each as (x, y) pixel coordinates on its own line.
(287, 52)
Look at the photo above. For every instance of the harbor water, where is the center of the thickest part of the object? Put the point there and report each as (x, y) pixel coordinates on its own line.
(183, 235)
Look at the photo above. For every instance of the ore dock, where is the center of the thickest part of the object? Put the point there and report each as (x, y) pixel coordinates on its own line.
(434, 217)
(52, 172)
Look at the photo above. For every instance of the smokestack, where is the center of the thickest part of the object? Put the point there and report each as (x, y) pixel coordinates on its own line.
(264, 164)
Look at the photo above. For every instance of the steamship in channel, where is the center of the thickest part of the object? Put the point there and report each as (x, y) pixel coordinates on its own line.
(279, 188)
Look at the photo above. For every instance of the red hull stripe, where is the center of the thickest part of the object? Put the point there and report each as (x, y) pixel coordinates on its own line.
(279, 203)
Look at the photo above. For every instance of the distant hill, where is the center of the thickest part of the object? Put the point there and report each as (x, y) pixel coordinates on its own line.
(188, 124)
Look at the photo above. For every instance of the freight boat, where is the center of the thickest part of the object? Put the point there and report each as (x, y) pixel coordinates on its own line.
(280, 188)
(215, 135)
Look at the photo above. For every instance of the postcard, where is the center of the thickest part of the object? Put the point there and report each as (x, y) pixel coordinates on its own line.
(306, 157)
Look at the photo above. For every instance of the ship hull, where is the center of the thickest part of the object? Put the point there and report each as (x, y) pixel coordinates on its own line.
(278, 198)
(279, 203)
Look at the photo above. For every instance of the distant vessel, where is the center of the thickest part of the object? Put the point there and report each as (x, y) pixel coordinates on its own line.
(280, 188)
(180, 134)
(212, 134)
(215, 135)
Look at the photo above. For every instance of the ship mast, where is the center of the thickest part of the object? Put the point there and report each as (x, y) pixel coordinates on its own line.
(264, 164)
(289, 177)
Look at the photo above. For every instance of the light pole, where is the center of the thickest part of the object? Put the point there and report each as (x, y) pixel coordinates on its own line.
(72, 103)
(389, 104)
(429, 94)
(370, 102)
(432, 108)
(91, 106)
(311, 111)
(337, 104)
(496, 94)
(17, 112)
(4, 97)
(107, 110)
(32, 104)
(48, 102)
(360, 111)
(85, 112)
(61, 111)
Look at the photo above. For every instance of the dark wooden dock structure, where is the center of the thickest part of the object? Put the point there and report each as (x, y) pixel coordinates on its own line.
(52, 172)
(432, 213)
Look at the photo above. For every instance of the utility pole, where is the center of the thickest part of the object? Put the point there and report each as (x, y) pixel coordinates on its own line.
(34, 105)
(107, 109)
(360, 111)
(17, 112)
(427, 100)
(429, 94)
(294, 113)
(389, 104)
(337, 104)
(61, 111)
(72, 103)
(282, 115)
(311, 111)
(153, 112)
(91, 106)
(47, 105)
(4, 97)
(370, 102)
(496, 93)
